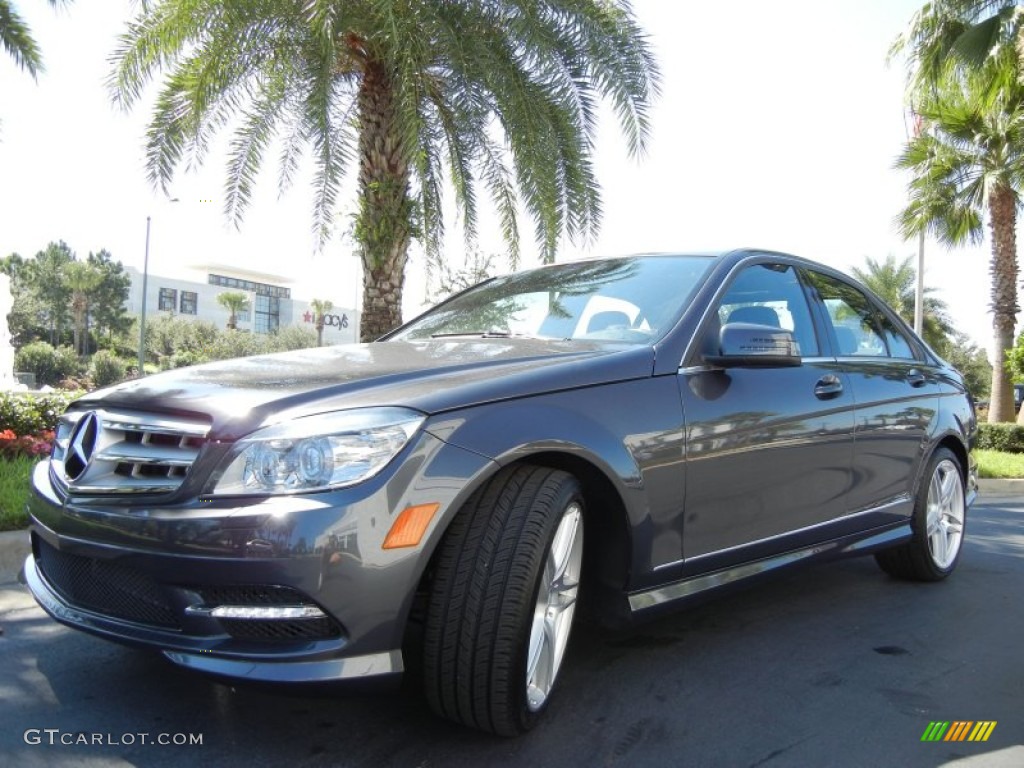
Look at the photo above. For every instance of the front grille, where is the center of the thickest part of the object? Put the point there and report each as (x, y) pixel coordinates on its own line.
(106, 588)
(126, 452)
(281, 630)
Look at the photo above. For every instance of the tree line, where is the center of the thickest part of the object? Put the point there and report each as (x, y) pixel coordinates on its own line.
(64, 300)
(966, 158)
(70, 325)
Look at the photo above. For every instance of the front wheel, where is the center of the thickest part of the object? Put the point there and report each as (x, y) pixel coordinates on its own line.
(938, 525)
(503, 599)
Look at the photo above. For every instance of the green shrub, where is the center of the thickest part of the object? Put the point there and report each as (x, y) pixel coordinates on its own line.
(1008, 438)
(292, 337)
(51, 366)
(232, 344)
(181, 360)
(170, 337)
(107, 368)
(26, 413)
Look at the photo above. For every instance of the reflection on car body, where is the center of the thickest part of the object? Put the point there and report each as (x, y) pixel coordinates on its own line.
(620, 434)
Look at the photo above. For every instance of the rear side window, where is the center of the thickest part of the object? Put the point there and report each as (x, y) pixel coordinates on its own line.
(861, 328)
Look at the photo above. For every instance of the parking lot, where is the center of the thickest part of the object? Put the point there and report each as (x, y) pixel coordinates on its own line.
(832, 665)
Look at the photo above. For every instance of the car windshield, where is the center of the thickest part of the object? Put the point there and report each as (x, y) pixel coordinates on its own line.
(634, 299)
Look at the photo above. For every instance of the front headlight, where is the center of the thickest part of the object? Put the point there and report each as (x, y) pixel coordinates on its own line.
(315, 453)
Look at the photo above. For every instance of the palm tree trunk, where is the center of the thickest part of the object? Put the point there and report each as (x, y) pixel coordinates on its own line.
(384, 225)
(1002, 206)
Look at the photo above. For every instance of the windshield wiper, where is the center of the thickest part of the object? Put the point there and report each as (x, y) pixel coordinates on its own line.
(491, 334)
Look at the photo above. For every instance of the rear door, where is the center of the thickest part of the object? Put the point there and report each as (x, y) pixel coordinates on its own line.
(896, 392)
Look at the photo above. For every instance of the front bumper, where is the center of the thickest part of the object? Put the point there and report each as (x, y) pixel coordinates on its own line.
(204, 654)
(149, 575)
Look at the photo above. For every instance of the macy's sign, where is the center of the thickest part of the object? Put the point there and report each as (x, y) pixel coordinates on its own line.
(330, 321)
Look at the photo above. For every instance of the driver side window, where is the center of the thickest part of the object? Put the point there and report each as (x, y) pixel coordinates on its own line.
(767, 294)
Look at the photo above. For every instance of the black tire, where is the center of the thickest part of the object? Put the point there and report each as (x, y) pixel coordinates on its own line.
(923, 558)
(485, 590)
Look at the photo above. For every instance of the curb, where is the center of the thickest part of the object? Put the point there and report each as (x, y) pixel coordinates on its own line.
(1000, 487)
(15, 545)
(14, 548)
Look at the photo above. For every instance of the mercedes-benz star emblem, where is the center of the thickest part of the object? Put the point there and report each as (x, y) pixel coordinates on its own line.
(81, 446)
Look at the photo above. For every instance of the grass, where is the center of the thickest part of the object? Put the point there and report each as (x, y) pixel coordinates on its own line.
(14, 481)
(999, 464)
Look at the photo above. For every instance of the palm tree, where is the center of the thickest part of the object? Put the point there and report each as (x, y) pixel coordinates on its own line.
(963, 35)
(320, 308)
(81, 279)
(234, 302)
(968, 166)
(497, 97)
(895, 283)
(17, 40)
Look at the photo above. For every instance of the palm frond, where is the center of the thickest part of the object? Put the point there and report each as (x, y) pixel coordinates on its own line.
(16, 38)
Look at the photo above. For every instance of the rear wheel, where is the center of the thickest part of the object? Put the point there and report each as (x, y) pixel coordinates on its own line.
(503, 600)
(938, 525)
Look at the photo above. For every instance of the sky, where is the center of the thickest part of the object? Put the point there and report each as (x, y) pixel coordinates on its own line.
(777, 127)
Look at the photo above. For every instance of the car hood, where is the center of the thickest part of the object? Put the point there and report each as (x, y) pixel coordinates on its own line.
(433, 376)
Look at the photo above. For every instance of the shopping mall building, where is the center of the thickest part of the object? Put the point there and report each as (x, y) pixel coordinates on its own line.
(272, 304)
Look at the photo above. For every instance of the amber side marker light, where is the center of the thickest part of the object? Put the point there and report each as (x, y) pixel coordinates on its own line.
(410, 526)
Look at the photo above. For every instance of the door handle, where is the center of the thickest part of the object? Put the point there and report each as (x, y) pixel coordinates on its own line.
(828, 386)
(915, 378)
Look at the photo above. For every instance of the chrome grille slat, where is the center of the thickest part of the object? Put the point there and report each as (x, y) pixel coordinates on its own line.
(133, 453)
(161, 427)
(128, 485)
(147, 453)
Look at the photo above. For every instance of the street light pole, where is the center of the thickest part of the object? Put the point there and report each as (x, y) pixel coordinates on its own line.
(919, 291)
(142, 315)
(919, 128)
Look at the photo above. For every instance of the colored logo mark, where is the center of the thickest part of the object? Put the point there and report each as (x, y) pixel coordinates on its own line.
(959, 730)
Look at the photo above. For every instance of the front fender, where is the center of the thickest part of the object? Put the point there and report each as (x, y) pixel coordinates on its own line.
(632, 432)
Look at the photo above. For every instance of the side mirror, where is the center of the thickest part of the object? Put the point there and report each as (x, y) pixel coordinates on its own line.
(746, 345)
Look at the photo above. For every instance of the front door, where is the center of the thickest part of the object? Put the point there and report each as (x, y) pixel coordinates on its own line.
(768, 450)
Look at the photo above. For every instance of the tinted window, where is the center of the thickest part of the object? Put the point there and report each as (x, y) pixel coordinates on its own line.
(861, 329)
(770, 294)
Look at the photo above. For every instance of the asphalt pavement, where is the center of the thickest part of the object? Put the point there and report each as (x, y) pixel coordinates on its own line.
(835, 664)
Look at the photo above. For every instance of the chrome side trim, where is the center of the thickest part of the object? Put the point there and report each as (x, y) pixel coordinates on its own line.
(903, 499)
(663, 566)
(652, 598)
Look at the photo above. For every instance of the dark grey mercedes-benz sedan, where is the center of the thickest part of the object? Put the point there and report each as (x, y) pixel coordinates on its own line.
(618, 434)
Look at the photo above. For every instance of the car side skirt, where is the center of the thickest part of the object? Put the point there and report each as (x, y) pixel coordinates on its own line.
(667, 594)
